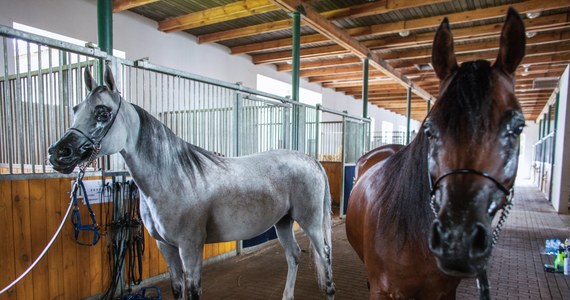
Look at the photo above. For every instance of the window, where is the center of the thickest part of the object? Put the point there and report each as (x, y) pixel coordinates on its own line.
(387, 129)
(31, 62)
(280, 88)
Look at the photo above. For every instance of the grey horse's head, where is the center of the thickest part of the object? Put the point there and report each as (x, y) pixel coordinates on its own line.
(97, 128)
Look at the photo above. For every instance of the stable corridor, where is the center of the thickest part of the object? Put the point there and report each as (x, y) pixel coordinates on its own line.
(516, 270)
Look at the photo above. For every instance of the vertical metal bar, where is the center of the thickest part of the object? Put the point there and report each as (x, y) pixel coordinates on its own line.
(317, 131)
(41, 107)
(365, 87)
(7, 111)
(19, 111)
(236, 116)
(408, 114)
(296, 62)
(428, 105)
(342, 165)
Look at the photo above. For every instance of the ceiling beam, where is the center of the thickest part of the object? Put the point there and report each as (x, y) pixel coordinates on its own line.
(538, 24)
(325, 27)
(121, 5)
(367, 9)
(228, 12)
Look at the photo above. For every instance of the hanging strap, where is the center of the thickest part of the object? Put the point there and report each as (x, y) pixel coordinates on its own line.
(76, 216)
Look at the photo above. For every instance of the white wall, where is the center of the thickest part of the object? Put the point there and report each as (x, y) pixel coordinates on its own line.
(525, 160)
(139, 38)
(561, 172)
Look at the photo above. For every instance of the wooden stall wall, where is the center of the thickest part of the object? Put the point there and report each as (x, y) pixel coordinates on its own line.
(334, 173)
(30, 212)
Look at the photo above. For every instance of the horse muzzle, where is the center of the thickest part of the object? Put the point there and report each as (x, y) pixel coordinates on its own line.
(68, 152)
(460, 251)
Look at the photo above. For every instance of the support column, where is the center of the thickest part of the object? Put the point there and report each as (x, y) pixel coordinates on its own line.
(428, 105)
(296, 62)
(365, 68)
(104, 30)
(408, 114)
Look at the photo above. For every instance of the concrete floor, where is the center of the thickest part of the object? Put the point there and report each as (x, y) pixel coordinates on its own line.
(516, 268)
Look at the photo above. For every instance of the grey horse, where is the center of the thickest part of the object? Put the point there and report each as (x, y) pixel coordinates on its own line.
(191, 196)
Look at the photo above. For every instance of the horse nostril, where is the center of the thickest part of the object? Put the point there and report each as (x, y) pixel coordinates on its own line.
(435, 238)
(480, 241)
(64, 152)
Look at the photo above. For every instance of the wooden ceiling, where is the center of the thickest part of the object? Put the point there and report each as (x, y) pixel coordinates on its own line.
(337, 35)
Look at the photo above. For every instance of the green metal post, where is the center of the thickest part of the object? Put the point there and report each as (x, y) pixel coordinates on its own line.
(295, 75)
(104, 30)
(428, 105)
(409, 114)
(366, 64)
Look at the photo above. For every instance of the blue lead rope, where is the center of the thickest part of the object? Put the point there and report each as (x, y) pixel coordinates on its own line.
(76, 216)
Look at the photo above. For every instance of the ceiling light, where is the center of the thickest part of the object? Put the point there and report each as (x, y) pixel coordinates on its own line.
(530, 34)
(525, 72)
(424, 67)
(532, 15)
(404, 33)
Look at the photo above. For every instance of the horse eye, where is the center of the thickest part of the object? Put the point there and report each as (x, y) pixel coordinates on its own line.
(428, 133)
(103, 116)
(517, 130)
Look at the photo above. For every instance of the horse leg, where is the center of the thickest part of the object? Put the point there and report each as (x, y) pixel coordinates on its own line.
(191, 255)
(172, 257)
(284, 229)
(323, 257)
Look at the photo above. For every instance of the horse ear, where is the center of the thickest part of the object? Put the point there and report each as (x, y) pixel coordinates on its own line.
(109, 80)
(442, 54)
(512, 43)
(90, 82)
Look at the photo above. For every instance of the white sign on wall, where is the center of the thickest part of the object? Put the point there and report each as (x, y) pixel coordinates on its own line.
(94, 189)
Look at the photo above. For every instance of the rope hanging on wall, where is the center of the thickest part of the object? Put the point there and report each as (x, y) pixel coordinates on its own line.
(125, 240)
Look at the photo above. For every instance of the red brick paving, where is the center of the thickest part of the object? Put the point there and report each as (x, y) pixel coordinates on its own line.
(516, 268)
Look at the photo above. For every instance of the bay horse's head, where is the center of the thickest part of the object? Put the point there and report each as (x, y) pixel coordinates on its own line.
(473, 131)
(93, 121)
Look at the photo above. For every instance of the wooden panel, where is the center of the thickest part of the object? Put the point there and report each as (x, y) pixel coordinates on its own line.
(7, 255)
(54, 213)
(22, 242)
(69, 250)
(39, 238)
(30, 213)
(334, 173)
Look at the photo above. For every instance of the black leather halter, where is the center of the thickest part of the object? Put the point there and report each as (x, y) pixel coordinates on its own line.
(506, 207)
(435, 185)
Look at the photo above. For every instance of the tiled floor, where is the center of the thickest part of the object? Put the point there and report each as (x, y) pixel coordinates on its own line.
(516, 269)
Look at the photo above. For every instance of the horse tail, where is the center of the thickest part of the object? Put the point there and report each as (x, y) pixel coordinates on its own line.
(327, 235)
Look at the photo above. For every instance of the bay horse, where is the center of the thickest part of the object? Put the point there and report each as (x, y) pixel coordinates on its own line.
(421, 220)
(373, 157)
(190, 196)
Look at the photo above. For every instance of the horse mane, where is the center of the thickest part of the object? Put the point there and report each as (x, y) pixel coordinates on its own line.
(466, 103)
(159, 146)
(407, 213)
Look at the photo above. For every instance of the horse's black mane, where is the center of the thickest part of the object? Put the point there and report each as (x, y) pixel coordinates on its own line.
(161, 147)
(408, 208)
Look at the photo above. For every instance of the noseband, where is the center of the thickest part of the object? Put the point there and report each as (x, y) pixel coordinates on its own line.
(508, 194)
(96, 145)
